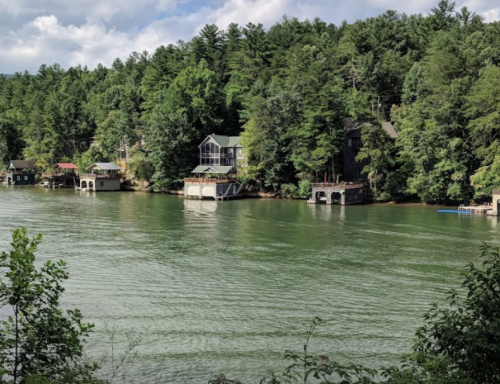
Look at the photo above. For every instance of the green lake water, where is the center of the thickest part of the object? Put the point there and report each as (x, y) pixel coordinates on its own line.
(214, 287)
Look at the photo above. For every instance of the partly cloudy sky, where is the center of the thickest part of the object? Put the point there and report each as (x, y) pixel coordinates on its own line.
(88, 32)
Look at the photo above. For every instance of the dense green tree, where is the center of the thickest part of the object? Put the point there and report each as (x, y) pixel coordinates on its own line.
(192, 109)
(378, 154)
(458, 343)
(39, 342)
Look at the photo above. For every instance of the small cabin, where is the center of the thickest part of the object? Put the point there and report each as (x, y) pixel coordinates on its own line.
(20, 172)
(101, 177)
(216, 182)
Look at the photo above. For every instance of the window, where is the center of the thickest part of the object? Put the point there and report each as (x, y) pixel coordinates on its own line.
(357, 171)
(356, 143)
(25, 178)
(349, 142)
(18, 178)
(101, 183)
(210, 154)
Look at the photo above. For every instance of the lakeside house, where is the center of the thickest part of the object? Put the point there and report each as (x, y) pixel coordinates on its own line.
(65, 175)
(20, 172)
(101, 177)
(215, 177)
(353, 169)
(352, 189)
(221, 150)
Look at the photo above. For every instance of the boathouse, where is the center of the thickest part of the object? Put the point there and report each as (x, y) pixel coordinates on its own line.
(216, 182)
(64, 176)
(215, 177)
(337, 193)
(20, 172)
(101, 177)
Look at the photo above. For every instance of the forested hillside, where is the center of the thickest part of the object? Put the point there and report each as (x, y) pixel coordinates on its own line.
(287, 90)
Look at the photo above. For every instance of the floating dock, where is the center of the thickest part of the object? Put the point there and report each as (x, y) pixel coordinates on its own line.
(482, 209)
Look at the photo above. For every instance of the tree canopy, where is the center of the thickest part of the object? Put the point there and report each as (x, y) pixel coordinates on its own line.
(287, 90)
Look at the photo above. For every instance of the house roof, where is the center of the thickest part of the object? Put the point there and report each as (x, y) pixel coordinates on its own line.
(67, 166)
(390, 129)
(225, 141)
(22, 164)
(352, 127)
(214, 169)
(105, 166)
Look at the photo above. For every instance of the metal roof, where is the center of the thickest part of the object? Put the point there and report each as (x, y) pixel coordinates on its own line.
(21, 164)
(105, 166)
(225, 141)
(67, 166)
(214, 169)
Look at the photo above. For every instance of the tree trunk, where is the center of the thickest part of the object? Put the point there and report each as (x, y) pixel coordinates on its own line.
(16, 353)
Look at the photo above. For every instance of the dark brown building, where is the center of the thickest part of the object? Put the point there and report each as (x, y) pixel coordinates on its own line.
(353, 169)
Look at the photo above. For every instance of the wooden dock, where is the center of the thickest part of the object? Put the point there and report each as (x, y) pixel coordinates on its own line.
(482, 209)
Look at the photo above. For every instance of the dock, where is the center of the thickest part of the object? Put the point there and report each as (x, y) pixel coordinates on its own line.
(481, 209)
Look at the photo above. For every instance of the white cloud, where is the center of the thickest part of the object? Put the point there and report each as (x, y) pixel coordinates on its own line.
(491, 15)
(46, 40)
(87, 32)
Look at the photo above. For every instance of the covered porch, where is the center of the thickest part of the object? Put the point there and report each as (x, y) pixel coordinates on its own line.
(216, 182)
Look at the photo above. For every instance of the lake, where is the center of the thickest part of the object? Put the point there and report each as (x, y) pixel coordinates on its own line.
(213, 287)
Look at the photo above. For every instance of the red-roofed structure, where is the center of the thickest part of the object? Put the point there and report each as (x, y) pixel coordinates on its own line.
(67, 166)
(65, 175)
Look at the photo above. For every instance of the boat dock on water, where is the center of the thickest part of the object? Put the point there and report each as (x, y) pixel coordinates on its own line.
(482, 209)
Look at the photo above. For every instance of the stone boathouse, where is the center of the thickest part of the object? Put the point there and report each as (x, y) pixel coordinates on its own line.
(337, 193)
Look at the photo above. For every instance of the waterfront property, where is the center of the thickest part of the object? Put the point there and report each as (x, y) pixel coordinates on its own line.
(64, 176)
(217, 182)
(20, 172)
(101, 177)
(337, 193)
(215, 176)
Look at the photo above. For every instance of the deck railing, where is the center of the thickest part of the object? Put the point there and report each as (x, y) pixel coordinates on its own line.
(208, 180)
(21, 172)
(339, 185)
(101, 176)
(59, 174)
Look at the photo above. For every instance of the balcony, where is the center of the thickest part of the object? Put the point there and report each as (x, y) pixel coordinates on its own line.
(338, 185)
(101, 176)
(208, 180)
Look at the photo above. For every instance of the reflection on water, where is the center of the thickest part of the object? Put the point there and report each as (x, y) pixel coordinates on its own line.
(229, 286)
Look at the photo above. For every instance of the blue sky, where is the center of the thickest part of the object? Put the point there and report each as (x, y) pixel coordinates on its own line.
(88, 32)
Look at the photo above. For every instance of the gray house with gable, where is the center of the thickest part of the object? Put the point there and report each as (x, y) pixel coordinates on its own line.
(215, 176)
